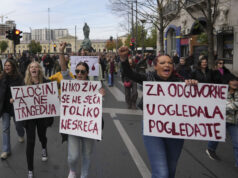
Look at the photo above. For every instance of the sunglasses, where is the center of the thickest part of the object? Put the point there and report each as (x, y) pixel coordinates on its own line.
(220, 63)
(80, 71)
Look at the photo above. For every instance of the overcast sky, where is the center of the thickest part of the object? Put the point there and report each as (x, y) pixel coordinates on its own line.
(33, 14)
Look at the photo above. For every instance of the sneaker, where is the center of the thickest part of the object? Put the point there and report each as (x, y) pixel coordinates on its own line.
(72, 174)
(30, 174)
(44, 155)
(5, 155)
(212, 155)
(21, 139)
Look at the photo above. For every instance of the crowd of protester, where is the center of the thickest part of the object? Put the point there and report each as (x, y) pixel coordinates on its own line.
(163, 153)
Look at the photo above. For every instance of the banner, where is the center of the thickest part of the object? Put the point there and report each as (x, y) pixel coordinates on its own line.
(35, 101)
(92, 62)
(177, 110)
(81, 108)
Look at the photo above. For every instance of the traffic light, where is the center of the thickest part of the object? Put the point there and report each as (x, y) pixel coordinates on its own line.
(132, 46)
(9, 35)
(16, 36)
(54, 47)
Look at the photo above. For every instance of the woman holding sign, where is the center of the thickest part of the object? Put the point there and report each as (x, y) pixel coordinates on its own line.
(10, 77)
(34, 75)
(163, 153)
(75, 142)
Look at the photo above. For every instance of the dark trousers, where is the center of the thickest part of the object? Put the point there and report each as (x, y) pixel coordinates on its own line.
(48, 70)
(131, 94)
(31, 126)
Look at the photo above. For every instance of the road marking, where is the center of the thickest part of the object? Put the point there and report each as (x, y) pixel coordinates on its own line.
(122, 111)
(116, 93)
(143, 169)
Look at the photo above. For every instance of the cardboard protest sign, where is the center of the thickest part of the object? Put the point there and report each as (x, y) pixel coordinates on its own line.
(92, 62)
(176, 110)
(81, 108)
(35, 101)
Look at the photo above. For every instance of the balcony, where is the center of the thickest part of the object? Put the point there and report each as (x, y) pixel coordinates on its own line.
(170, 8)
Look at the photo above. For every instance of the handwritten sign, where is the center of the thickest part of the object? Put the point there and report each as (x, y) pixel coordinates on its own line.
(92, 62)
(35, 101)
(176, 110)
(81, 108)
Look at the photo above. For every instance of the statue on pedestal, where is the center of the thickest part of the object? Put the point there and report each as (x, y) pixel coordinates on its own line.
(86, 44)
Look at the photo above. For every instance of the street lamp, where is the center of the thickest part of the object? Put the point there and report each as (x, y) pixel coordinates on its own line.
(143, 37)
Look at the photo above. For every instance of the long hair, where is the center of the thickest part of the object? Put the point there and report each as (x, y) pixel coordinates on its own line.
(14, 73)
(28, 77)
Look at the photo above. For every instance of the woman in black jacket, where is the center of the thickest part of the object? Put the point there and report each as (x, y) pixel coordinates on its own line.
(203, 74)
(220, 73)
(34, 75)
(10, 77)
(163, 153)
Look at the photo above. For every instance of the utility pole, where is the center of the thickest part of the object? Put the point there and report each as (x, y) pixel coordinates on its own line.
(49, 29)
(132, 22)
(136, 28)
(75, 38)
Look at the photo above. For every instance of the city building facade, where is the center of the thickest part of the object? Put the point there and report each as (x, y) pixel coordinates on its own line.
(183, 36)
(7, 26)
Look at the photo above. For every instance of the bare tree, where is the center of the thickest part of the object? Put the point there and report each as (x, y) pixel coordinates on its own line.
(153, 11)
(209, 10)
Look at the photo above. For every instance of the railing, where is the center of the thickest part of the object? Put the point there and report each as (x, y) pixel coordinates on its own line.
(170, 8)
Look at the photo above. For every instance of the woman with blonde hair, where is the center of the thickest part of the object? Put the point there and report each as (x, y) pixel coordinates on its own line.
(34, 75)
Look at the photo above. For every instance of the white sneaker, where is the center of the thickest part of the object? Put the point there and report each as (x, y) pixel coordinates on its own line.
(21, 139)
(5, 155)
(72, 174)
(30, 174)
(44, 155)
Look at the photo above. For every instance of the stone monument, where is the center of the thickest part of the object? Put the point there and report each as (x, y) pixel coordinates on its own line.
(86, 44)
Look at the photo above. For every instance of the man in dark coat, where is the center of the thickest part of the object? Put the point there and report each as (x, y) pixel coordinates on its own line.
(24, 61)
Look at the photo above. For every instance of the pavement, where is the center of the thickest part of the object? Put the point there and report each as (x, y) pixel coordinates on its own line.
(121, 153)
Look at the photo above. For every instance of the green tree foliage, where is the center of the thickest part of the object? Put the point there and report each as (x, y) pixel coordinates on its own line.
(149, 37)
(119, 43)
(110, 45)
(113, 44)
(34, 47)
(3, 46)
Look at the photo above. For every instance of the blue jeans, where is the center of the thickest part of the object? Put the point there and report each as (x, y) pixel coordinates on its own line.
(233, 131)
(74, 143)
(6, 120)
(163, 154)
(110, 79)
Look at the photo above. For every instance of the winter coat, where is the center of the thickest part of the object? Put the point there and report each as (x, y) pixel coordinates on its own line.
(23, 64)
(201, 77)
(221, 78)
(6, 82)
(184, 70)
(48, 62)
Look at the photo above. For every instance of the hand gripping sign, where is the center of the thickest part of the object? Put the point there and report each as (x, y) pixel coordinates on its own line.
(81, 108)
(177, 110)
(35, 101)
